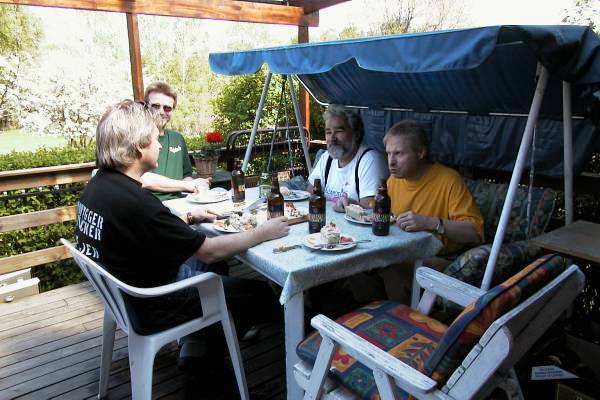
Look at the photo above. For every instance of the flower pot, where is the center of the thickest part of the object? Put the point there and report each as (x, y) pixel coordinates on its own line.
(206, 166)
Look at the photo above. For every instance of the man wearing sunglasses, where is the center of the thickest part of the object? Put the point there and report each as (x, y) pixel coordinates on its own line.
(174, 172)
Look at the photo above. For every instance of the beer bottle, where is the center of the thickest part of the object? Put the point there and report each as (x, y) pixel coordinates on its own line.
(381, 211)
(238, 183)
(264, 185)
(316, 209)
(275, 200)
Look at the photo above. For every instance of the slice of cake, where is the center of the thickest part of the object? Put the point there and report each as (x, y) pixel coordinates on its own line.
(356, 212)
(330, 234)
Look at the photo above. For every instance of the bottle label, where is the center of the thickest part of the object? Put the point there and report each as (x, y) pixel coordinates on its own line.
(381, 217)
(315, 222)
(275, 211)
(242, 188)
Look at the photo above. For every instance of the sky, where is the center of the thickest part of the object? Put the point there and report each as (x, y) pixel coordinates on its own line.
(61, 23)
(478, 12)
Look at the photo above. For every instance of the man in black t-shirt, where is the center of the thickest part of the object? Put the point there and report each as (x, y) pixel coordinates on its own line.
(128, 231)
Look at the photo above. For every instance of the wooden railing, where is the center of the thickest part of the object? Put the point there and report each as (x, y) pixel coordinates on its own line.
(31, 178)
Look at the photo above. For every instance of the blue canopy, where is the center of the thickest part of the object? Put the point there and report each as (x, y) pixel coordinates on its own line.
(477, 72)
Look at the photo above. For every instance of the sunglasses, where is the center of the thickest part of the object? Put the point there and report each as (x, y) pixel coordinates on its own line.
(157, 107)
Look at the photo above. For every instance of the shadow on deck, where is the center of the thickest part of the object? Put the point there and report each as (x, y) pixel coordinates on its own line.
(50, 347)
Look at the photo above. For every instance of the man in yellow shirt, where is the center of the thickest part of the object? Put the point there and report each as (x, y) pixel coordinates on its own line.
(426, 196)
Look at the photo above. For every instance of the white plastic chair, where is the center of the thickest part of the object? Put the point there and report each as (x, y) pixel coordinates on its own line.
(142, 349)
(488, 365)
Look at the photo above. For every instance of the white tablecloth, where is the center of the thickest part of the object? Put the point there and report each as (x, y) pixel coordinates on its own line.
(303, 268)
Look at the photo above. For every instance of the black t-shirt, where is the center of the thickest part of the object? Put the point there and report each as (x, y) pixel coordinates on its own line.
(130, 232)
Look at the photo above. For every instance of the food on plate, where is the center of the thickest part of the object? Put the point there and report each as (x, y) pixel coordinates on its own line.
(208, 196)
(358, 213)
(238, 223)
(291, 211)
(284, 191)
(330, 234)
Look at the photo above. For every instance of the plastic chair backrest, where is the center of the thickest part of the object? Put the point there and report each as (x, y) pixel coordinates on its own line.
(105, 284)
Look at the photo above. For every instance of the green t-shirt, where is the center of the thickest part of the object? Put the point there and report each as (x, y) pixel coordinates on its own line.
(173, 160)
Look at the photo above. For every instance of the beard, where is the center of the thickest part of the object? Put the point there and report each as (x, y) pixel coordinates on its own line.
(340, 150)
(336, 151)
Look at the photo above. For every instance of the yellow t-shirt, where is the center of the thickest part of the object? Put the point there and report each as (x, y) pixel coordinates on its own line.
(440, 193)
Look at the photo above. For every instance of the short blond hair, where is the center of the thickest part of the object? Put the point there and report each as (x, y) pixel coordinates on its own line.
(161, 87)
(124, 127)
(414, 132)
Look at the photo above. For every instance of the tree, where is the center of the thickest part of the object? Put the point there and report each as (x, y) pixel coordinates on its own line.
(19, 37)
(407, 16)
(584, 12)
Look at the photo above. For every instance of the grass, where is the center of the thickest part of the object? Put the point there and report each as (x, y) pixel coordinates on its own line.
(18, 140)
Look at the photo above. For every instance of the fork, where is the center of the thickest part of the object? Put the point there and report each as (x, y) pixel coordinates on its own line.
(334, 245)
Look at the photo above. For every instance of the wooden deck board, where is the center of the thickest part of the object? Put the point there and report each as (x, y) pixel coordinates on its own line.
(50, 347)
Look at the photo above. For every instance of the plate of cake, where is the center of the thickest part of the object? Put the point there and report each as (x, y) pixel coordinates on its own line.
(329, 239)
(359, 215)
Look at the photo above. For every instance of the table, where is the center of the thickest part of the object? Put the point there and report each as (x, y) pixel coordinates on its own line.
(580, 239)
(300, 269)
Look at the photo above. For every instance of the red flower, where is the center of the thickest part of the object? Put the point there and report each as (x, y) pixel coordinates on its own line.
(214, 137)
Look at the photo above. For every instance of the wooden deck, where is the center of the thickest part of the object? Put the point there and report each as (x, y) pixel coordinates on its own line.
(50, 347)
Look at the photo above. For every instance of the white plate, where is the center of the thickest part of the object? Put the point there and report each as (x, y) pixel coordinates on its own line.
(225, 228)
(296, 195)
(313, 241)
(356, 221)
(208, 197)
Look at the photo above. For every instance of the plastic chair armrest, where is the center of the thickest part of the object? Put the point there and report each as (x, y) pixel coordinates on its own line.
(447, 287)
(170, 288)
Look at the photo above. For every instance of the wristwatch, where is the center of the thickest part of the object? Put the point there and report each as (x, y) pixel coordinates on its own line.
(440, 229)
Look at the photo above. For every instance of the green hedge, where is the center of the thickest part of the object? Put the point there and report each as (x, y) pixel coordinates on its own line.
(55, 274)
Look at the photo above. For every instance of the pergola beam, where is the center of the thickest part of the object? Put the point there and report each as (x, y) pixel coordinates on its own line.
(135, 57)
(229, 10)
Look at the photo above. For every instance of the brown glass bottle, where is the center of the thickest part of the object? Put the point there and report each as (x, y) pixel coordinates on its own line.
(381, 211)
(316, 209)
(238, 183)
(275, 200)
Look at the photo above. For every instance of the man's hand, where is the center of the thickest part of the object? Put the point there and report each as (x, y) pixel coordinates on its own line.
(273, 229)
(200, 215)
(412, 222)
(196, 185)
(340, 204)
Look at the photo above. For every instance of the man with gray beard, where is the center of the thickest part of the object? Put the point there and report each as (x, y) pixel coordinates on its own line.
(350, 173)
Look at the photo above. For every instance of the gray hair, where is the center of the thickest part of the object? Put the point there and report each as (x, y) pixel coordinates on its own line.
(351, 115)
(415, 133)
(124, 127)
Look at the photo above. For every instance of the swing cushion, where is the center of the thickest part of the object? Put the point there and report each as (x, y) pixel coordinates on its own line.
(516, 250)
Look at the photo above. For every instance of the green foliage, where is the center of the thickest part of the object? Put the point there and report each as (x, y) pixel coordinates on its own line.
(37, 199)
(45, 157)
(19, 31)
(235, 105)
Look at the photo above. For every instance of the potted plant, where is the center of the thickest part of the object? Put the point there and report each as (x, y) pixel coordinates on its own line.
(208, 154)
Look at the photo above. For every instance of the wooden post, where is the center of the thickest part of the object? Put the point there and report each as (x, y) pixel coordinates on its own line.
(303, 95)
(135, 57)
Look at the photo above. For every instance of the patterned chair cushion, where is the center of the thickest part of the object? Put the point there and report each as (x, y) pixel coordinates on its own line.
(402, 332)
(469, 326)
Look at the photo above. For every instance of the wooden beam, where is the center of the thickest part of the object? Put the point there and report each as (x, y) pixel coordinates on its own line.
(37, 218)
(44, 176)
(31, 259)
(303, 95)
(135, 57)
(229, 10)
